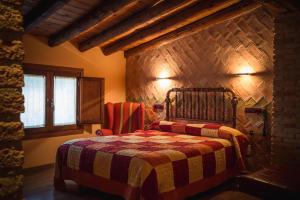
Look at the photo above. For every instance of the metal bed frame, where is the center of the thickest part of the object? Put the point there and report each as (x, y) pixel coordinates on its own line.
(215, 105)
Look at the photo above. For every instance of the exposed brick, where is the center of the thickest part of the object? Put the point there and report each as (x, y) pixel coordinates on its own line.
(11, 131)
(9, 157)
(11, 76)
(12, 51)
(10, 185)
(11, 101)
(10, 18)
(286, 106)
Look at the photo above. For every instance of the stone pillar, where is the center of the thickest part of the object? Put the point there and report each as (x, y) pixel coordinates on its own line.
(286, 91)
(11, 99)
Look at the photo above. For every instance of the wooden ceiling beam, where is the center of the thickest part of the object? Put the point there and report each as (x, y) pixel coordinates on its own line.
(232, 12)
(104, 12)
(41, 12)
(140, 20)
(192, 14)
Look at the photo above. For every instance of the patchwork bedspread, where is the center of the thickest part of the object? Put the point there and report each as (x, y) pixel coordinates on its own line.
(152, 164)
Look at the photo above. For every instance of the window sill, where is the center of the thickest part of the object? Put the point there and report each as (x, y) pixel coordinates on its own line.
(29, 136)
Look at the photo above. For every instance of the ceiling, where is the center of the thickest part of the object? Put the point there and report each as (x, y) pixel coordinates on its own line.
(132, 25)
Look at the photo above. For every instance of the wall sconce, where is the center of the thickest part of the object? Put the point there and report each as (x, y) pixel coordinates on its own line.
(246, 70)
(163, 79)
(163, 82)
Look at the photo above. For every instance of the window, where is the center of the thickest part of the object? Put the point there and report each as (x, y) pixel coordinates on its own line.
(53, 101)
(35, 94)
(64, 100)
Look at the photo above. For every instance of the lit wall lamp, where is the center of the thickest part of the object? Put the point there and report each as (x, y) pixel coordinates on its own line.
(164, 82)
(159, 78)
(243, 74)
(164, 79)
(246, 70)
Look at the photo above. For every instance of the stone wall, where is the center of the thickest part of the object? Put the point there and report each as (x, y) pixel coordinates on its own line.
(286, 110)
(211, 58)
(11, 100)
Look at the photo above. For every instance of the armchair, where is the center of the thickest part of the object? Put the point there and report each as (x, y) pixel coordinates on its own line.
(123, 117)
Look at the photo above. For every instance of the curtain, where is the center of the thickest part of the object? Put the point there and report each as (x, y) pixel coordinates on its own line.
(64, 100)
(34, 92)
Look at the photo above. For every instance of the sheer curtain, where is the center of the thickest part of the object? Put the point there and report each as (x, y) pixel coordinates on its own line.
(34, 92)
(64, 100)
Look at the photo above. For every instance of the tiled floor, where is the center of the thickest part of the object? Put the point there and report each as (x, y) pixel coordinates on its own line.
(39, 186)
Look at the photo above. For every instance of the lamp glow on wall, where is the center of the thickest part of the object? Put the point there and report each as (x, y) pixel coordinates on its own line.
(164, 79)
(246, 70)
(245, 79)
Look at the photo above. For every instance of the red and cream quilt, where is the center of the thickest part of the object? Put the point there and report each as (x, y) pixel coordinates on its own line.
(153, 164)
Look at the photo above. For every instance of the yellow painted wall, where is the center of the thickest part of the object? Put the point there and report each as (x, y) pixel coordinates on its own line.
(95, 64)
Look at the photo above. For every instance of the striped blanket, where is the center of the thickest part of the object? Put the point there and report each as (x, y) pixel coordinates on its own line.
(153, 164)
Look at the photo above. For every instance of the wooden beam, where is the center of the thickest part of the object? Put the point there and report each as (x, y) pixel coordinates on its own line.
(41, 12)
(217, 18)
(136, 22)
(192, 14)
(102, 13)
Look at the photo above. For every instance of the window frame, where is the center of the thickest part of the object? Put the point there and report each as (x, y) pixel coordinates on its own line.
(50, 130)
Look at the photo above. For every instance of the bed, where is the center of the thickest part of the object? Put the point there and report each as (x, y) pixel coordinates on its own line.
(187, 154)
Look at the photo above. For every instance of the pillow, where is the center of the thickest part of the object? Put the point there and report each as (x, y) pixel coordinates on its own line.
(194, 129)
(178, 127)
(168, 126)
(207, 130)
(165, 126)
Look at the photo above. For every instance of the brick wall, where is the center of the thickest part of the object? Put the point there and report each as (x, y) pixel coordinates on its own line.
(11, 100)
(286, 106)
(210, 59)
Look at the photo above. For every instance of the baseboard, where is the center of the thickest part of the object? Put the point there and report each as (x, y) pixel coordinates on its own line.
(34, 169)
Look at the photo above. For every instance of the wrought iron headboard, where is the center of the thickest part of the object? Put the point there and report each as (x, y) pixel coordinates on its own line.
(202, 104)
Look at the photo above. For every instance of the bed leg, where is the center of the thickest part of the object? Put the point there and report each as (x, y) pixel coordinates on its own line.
(59, 184)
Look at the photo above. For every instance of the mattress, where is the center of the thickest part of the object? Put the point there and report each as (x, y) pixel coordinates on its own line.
(152, 164)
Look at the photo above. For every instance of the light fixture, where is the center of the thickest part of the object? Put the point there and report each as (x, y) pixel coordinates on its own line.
(246, 70)
(163, 82)
(164, 79)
